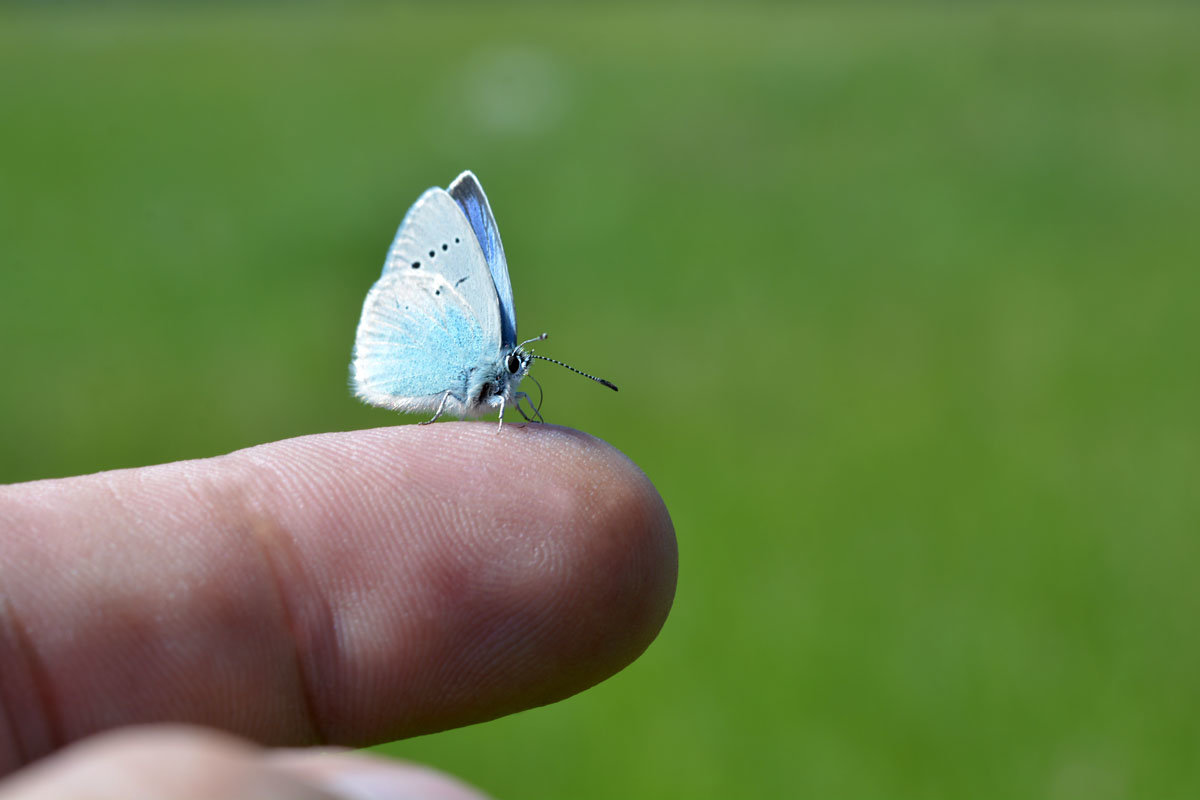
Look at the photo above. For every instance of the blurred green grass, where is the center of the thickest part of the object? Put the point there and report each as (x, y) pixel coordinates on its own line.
(902, 304)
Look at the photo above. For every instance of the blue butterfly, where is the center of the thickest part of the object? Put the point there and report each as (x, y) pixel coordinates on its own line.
(438, 330)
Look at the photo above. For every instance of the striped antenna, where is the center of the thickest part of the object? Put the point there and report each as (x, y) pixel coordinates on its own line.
(601, 381)
(545, 336)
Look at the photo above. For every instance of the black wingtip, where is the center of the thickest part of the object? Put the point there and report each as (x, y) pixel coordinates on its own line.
(609, 384)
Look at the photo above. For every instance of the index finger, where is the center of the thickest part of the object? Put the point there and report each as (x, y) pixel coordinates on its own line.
(348, 587)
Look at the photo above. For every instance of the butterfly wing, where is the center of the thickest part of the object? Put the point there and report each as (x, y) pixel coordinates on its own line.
(469, 195)
(432, 317)
(418, 339)
(436, 237)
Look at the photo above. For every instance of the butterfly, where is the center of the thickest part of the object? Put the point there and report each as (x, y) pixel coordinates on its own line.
(438, 330)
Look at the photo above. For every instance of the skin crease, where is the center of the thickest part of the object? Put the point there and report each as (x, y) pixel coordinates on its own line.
(347, 588)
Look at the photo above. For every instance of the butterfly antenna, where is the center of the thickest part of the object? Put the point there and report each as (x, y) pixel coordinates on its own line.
(601, 381)
(543, 337)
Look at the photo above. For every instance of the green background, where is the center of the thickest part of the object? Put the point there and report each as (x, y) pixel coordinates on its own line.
(902, 303)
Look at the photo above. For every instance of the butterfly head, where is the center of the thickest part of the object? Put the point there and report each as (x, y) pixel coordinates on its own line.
(517, 364)
(499, 379)
(496, 383)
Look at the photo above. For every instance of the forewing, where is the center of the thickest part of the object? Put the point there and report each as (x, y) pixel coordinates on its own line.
(417, 339)
(469, 195)
(436, 238)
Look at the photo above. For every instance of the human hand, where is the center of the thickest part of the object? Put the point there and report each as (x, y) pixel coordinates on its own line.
(344, 588)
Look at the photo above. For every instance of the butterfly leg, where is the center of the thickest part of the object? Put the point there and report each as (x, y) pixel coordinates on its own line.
(501, 425)
(537, 415)
(437, 413)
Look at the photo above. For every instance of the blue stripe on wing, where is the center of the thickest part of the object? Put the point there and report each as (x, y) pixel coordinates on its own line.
(469, 195)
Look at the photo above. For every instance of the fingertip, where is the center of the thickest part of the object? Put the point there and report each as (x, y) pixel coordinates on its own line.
(529, 565)
(619, 537)
(609, 556)
(608, 537)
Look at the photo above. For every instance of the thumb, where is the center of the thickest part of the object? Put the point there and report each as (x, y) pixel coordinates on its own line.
(184, 763)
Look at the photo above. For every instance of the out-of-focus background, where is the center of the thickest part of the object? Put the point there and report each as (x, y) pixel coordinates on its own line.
(902, 303)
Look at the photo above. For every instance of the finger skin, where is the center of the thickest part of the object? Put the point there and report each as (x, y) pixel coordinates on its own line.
(163, 763)
(348, 588)
(175, 762)
(359, 774)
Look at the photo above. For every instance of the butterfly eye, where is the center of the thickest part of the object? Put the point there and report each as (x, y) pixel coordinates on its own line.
(514, 364)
